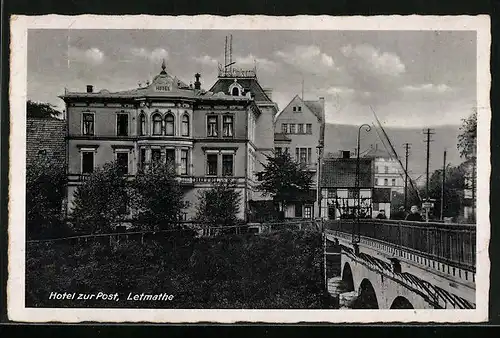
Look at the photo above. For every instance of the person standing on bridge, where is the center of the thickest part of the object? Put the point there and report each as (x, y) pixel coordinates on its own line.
(414, 215)
(381, 214)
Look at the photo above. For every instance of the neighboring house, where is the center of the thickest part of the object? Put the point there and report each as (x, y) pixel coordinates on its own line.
(45, 140)
(340, 193)
(299, 130)
(470, 191)
(388, 171)
(209, 136)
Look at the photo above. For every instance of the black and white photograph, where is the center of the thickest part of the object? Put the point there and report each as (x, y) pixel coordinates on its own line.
(249, 168)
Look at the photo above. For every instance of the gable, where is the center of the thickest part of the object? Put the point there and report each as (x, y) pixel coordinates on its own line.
(288, 112)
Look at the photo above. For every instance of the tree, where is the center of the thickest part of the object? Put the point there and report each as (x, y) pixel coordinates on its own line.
(284, 179)
(467, 139)
(41, 109)
(219, 205)
(45, 191)
(453, 190)
(101, 201)
(157, 198)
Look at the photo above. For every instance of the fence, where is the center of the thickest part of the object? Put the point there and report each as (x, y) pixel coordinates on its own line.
(451, 243)
(196, 229)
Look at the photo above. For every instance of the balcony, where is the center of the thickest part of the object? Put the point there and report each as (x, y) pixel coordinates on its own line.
(217, 179)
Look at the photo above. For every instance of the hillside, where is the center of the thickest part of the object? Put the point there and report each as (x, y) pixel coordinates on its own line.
(344, 137)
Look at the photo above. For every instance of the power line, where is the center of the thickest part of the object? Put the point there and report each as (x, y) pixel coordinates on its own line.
(428, 132)
(407, 149)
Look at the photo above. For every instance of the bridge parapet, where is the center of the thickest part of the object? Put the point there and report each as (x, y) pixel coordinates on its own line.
(442, 254)
(452, 244)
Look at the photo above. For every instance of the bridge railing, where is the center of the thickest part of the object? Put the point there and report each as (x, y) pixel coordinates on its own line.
(449, 243)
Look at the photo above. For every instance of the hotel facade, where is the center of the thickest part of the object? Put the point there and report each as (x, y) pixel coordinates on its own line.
(209, 136)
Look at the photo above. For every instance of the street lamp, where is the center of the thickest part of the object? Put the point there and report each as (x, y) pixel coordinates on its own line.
(367, 127)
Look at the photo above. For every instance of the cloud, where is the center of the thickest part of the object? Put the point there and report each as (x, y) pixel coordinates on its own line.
(372, 59)
(93, 56)
(206, 60)
(427, 88)
(340, 90)
(307, 58)
(155, 55)
(250, 60)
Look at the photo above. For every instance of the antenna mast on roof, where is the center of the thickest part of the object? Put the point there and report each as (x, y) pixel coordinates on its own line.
(228, 52)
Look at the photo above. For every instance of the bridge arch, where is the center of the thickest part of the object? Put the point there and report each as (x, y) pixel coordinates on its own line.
(367, 298)
(347, 278)
(401, 302)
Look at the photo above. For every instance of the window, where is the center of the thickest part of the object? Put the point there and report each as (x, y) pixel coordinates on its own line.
(184, 162)
(155, 155)
(87, 162)
(157, 124)
(332, 193)
(142, 124)
(170, 157)
(227, 126)
(386, 181)
(352, 193)
(142, 158)
(185, 125)
(277, 150)
(169, 125)
(303, 155)
(227, 165)
(88, 124)
(236, 91)
(309, 128)
(386, 169)
(393, 182)
(284, 128)
(300, 128)
(307, 211)
(212, 126)
(122, 124)
(212, 164)
(292, 128)
(294, 108)
(122, 161)
(299, 108)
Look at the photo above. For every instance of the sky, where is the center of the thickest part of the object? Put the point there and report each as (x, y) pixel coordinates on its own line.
(409, 78)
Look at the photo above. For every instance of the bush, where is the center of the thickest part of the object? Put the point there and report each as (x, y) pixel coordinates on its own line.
(157, 198)
(45, 191)
(101, 201)
(280, 270)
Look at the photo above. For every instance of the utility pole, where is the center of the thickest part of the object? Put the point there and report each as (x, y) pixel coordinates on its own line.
(407, 149)
(442, 186)
(428, 132)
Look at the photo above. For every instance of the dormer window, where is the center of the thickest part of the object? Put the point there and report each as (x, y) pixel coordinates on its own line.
(235, 89)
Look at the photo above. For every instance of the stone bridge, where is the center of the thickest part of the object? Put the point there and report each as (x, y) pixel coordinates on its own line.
(400, 265)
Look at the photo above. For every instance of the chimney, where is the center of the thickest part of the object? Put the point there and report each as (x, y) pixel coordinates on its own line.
(346, 153)
(322, 101)
(269, 92)
(90, 88)
(197, 83)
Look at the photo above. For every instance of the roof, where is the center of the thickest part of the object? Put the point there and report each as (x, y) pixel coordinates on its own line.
(341, 173)
(163, 85)
(316, 107)
(248, 84)
(375, 152)
(281, 137)
(45, 137)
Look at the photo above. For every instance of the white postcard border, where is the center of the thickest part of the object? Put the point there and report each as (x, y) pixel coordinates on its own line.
(18, 88)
